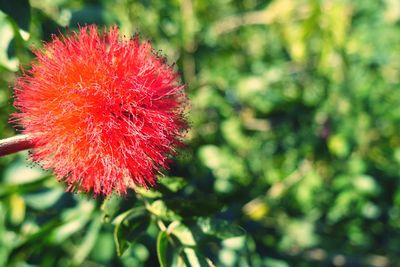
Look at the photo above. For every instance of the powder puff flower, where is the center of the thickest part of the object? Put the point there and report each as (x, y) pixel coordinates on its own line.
(104, 113)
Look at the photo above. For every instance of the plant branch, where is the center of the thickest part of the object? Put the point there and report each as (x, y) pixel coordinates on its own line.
(15, 144)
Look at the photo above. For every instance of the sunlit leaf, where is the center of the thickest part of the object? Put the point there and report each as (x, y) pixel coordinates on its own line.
(18, 208)
(194, 258)
(162, 243)
(148, 193)
(161, 210)
(185, 235)
(20, 173)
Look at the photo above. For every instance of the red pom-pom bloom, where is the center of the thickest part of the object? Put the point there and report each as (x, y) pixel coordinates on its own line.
(104, 113)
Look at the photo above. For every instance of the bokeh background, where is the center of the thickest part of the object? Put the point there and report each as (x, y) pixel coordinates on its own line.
(293, 157)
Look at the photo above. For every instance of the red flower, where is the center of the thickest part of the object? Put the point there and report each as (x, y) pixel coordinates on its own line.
(104, 113)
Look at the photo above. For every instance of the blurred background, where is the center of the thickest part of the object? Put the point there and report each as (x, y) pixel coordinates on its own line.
(292, 159)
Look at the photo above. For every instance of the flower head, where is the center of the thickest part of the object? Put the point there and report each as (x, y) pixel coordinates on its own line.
(104, 112)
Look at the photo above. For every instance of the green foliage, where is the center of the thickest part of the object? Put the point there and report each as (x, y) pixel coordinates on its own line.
(162, 243)
(293, 155)
(128, 227)
(19, 11)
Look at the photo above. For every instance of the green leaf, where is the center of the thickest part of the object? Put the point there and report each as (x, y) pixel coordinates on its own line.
(104, 248)
(173, 184)
(18, 173)
(4, 243)
(147, 193)
(162, 211)
(184, 235)
(7, 61)
(193, 258)
(7, 189)
(365, 184)
(129, 226)
(167, 185)
(17, 209)
(110, 207)
(189, 251)
(88, 241)
(44, 198)
(36, 239)
(219, 228)
(19, 10)
(162, 244)
(74, 220)
(194, 207)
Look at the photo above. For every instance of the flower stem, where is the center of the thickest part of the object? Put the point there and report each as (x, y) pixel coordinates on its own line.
(15, 144)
